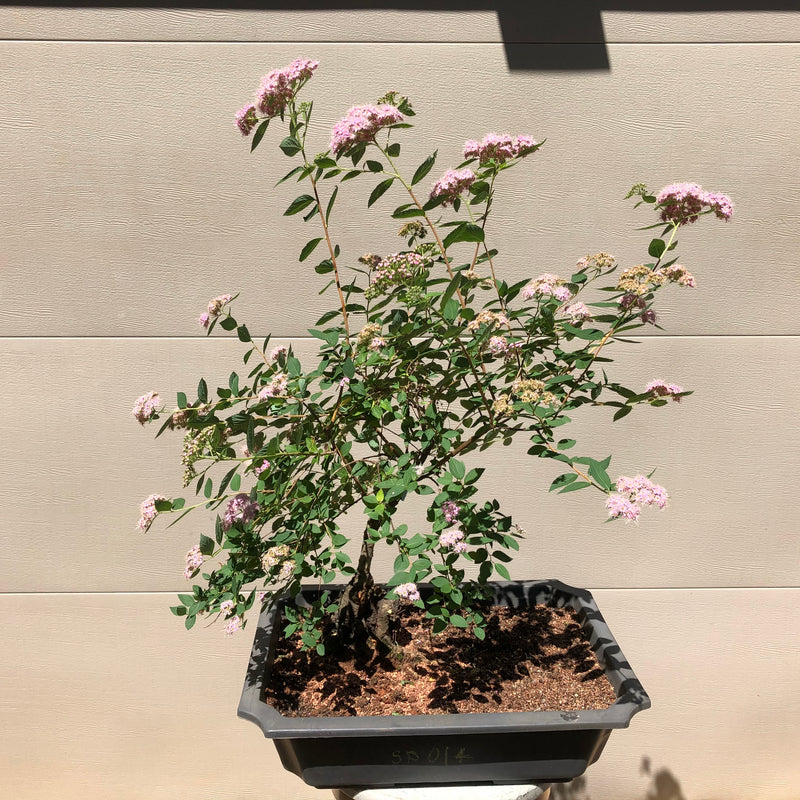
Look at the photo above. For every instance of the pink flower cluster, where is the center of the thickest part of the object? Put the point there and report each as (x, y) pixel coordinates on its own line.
(680, 275)
(277, 352)
(396, 269)
(452, 184)
(451, 511)
(215, 307)
(360, 125)
(226, 607)
(661, 389)
(683, 202)
(547, 285)
(499, 148)
(146, 407)
(194, 560)
(407, 591)
(149, 511)
(577, 312)
(261, 468)
(633, 493)
(232, 625)
(239, 509)
(276, 90)
(454, 539)
(277, 387)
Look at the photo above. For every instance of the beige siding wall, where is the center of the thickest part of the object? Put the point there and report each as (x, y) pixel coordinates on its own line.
(129, 200)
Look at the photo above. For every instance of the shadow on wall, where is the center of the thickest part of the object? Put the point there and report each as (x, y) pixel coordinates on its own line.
(663, 786)
(569, 34)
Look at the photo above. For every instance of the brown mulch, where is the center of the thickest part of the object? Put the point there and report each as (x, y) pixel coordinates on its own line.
(534, 659)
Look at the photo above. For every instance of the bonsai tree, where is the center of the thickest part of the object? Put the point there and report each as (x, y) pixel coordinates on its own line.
(426, 355)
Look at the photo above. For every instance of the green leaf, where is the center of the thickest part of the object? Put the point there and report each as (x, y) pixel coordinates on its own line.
(228, 324)
(330, 204)
(502, 571)
(243, 334)
(573, 487)
(657, 248)
(236, 482)
(480, 633)
(424, 168)
(202, 391)
(325, 162)
(450, 290)
(290, 146)
(374, 166)
(323, 268)
(379, 190)
(458, 621)
(182, 401)
(298, 204)
(293, 367)
(291, 173)
(465, 232)
(622, 412)
(563, 480)
(206, 545)
(348, 368)
(190, 622)
(259, 135)
(394, 149)
(178, 503)
(309, 248)
(456, 468)
(590, 334)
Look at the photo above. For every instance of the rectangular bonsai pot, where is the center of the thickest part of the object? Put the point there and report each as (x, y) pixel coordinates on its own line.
(449, 749)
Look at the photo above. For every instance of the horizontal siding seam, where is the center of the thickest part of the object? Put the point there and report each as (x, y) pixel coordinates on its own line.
(591, 588)
(451, 42)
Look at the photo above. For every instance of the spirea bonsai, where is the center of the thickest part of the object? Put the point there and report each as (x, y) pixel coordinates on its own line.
(426, 356)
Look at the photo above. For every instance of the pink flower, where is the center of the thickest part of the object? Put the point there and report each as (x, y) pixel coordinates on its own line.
(660, 389)
(407, 591)
(194, 560)
(146, 407)
(451, 510)
(577, 312)
(344, 383)
(451, 537)
(232, 625)
(246, 119)
(680, 275)
(618, 506)
(641, 489)
(452, 184)
(215, 307)
(277, 387)
(684, 202)
(377, 343)
(226, 607)
(499, 148)
(360, 125)
(149, 511)
(498, 345)
(396, 270)
(280, 86)
(547, 285)
(239, 509)
(262, 468)
(649, 316)
(277, 352)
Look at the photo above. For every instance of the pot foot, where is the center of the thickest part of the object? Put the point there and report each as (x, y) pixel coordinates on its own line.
(517, 792)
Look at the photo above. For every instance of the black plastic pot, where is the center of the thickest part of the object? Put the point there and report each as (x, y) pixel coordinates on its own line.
(424, 750)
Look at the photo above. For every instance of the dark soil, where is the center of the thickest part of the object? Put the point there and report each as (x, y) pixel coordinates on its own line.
(534, 659)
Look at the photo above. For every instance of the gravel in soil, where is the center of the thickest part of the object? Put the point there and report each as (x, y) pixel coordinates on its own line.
(532, 659)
